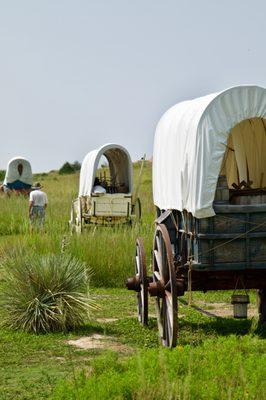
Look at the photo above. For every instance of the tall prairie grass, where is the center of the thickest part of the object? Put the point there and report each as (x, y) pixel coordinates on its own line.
(109, 251)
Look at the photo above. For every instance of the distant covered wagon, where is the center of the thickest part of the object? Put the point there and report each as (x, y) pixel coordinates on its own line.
(209, 187)
(18, 176)
(105, 189)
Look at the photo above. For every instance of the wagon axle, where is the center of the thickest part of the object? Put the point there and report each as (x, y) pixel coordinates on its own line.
(155, 289)
(134, 283)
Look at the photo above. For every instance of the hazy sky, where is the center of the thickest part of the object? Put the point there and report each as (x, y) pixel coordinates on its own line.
(75, 74)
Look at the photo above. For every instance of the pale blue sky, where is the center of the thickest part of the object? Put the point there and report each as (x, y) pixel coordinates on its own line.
(76, 74)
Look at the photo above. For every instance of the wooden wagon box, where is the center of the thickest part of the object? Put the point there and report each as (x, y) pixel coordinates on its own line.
(213, 244)
(104, 209)
(117, 205)
(227, 250)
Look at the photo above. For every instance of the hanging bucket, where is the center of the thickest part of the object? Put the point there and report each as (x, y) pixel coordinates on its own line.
(240, 303)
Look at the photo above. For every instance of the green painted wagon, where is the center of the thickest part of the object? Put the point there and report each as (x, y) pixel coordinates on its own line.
(209, 188)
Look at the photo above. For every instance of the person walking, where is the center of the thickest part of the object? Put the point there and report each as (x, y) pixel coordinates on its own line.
(37, 205)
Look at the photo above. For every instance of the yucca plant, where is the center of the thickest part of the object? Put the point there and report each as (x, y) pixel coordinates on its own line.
(44, 293)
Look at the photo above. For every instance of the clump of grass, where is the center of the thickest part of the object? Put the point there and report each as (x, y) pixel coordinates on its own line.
(45, 293)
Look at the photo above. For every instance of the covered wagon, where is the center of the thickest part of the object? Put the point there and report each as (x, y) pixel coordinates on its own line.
(209, 188)
(18, 176)
(105, 191)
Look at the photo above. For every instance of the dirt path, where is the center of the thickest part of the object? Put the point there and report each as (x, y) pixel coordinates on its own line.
(102, 342)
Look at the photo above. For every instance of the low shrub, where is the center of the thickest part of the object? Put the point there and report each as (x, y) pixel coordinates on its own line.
(44, 293)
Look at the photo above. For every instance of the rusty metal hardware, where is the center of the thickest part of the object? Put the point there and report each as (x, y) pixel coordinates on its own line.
(133, 283)
(156, 289)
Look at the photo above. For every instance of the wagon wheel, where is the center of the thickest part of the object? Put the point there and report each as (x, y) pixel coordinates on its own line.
(141, 274)
(136, 210)
(165, 278)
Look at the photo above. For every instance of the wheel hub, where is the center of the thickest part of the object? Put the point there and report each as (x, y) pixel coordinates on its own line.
(133, 283)
(156, 289)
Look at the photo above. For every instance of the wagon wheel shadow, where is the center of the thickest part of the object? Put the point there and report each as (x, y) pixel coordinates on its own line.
(223, 326)
(201, 310)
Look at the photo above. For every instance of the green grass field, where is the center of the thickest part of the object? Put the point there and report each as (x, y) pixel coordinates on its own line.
(216, 358)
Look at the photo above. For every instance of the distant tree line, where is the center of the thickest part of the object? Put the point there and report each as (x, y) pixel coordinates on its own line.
(69, 168)
(2, 174)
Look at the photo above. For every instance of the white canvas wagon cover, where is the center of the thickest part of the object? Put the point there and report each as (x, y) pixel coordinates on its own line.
(120, 165)
(12, 171)
(189, 146)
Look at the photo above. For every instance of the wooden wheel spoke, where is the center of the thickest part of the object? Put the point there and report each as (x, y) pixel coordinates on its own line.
(162, 310)
(140, 270)
(142, 293)
(159, 316)
(158, 259)
(137, 265)
(158, 244)
(165, 322)
(169, 330)
(158, 275)
(163, 317)
(168, 297)
(169, 307)
(167, 286)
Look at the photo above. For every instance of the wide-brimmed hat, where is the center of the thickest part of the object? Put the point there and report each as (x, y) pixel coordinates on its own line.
(36, 186)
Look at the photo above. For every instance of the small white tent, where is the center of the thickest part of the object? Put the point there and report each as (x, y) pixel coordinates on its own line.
(192, 140)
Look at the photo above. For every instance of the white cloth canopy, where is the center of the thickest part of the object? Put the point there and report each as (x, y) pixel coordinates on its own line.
(12, 171)
(120, 165)
(189, 146)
